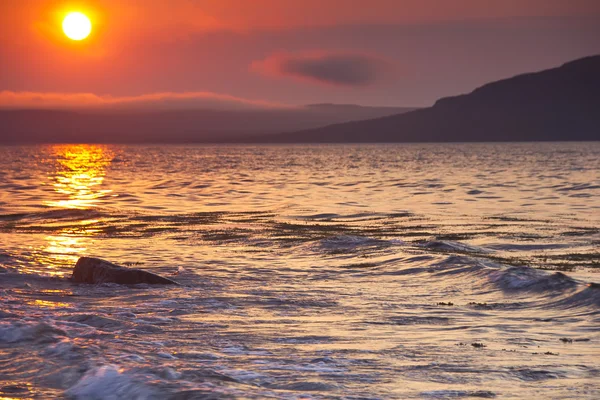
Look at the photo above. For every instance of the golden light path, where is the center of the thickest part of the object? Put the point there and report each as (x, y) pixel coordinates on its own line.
(80, 170)
(77, 26)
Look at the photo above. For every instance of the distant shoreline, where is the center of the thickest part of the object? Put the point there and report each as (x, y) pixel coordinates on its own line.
(16, 144)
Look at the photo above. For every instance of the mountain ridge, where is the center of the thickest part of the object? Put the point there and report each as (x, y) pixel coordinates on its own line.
(561, 103)
(106, 125)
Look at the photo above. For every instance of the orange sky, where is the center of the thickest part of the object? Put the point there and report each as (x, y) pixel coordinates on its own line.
(131, 18)
(139, 47)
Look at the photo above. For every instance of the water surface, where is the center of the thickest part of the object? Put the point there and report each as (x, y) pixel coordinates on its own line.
(325, 272)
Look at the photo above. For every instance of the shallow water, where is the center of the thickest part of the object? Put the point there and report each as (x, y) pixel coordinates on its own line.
(308, 272)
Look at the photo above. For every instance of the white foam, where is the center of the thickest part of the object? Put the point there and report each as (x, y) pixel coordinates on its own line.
(241, 374)
(62, 349)
(109, 383)
(170, 374)
(10, 333)
(446, 394)
(17, 332)
(166, 356)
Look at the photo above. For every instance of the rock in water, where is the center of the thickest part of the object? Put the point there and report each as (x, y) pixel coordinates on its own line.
(95, 270)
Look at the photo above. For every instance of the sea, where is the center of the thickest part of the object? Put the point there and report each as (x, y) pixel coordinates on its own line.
(375, 271)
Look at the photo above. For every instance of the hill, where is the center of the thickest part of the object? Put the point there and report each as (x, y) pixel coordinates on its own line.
(559, 104)
(171, 126)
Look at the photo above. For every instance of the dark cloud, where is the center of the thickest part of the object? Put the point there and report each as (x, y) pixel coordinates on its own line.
(346, 69)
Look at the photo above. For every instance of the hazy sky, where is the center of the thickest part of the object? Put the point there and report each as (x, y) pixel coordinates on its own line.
(269, 52)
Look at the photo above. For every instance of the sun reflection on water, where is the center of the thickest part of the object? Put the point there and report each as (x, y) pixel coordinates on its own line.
(77, 179)
(62, 251)
(80, 169)
(48, 304)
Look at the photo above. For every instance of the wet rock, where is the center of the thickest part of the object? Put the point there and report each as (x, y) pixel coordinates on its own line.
(95, 270)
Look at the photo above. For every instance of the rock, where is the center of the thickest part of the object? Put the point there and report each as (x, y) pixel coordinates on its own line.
(95, 270)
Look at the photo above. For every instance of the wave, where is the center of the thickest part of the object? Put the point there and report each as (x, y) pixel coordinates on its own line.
(586, 296)
(13, 332)
(578, 187)
(54, 214)
(530, 279)
(108, 382)
(547, 289)
(505, 278)
(349, 244)
(451, 394)
(447, 245)
(553, 290)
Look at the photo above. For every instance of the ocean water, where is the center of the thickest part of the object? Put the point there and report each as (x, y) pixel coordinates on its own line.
(308, 272)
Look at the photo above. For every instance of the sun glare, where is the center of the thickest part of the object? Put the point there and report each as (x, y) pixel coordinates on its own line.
(77, 26)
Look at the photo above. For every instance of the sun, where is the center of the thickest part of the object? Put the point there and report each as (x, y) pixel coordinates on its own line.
(77, 26)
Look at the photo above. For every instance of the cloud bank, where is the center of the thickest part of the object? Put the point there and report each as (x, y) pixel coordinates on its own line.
(343, 69)
(154, 101)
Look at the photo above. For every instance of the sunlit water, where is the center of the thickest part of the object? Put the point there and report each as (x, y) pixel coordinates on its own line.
(308, 272)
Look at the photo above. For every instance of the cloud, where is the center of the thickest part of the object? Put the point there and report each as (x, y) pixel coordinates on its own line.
(344, 69)
(188, 100)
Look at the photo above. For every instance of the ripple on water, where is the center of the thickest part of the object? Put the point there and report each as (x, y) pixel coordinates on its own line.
(309, 272)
